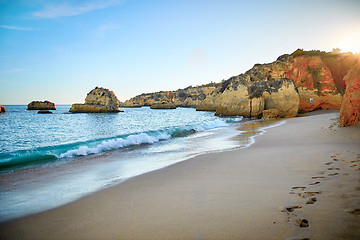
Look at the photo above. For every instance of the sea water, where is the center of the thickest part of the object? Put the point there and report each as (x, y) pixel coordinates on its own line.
(47, 160)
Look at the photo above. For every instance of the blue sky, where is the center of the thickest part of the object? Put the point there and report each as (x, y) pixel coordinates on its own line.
(60, 50)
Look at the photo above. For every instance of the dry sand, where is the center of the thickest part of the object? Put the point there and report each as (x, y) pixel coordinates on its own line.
(307, 169)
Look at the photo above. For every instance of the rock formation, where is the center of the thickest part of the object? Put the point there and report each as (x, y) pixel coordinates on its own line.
(350, 107)
(271, 113)
(188, 97)
(38, 105)
(2, 109)
(163, 105)
(98, 100)
(300, 82)
(44, 112)
(251, 99)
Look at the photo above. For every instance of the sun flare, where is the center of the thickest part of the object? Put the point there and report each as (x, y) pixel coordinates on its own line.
(350, 43)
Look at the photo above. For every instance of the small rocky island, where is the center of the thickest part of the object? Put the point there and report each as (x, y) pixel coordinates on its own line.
(38, 105)
(44, 112)
(163, 105)
(98, 100)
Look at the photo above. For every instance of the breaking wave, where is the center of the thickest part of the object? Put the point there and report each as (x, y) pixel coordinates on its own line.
(43, 155)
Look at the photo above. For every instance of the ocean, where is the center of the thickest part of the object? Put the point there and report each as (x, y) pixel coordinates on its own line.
(47, 160)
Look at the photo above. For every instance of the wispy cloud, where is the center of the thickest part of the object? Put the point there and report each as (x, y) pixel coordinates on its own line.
(14, 70)
(67, 9)
(17, 28)
(102, 30)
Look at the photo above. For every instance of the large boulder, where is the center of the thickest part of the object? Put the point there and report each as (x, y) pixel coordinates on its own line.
(2, 109)
(251, 99)
(38, 105)
(98, 100)
(283, 96)
(350, 107)
(270, 114)
(235, 101)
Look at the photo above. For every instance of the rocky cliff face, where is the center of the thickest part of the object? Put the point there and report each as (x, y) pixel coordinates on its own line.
(300, 82)
(98, 100)
(350, 107)
(250, 99)
(38, 105)
(188, 97)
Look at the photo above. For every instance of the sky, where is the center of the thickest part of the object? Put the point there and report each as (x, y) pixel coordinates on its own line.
(60, 50)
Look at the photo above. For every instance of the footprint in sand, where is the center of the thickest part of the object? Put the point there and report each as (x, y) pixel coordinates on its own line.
(334, 157)
(292, 208)
(302, 223)
(312, 200)
(312, 193)
(295, 190)
(354, 211)
(317, 177)
(314, 183)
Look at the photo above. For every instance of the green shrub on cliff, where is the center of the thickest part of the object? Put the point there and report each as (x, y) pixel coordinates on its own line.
(301, 52)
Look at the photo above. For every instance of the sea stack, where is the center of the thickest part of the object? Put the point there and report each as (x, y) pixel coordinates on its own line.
(38, 105)
(44, 112)
(163, 105)
(98, 100)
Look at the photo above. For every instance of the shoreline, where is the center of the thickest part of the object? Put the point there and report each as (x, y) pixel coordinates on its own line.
(239, 194)
(23, 190)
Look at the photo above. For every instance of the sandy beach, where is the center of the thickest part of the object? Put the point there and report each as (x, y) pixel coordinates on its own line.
(299, 180)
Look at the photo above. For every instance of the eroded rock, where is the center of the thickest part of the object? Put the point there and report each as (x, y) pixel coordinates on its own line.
(44, 112)
(350, 107)
(38, 105)
(98, 100)
(163, 105)
(322, 81)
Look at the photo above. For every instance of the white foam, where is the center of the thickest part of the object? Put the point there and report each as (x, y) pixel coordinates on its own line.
(130, 140)
(211, 125)
(234, 119)
(137, 139)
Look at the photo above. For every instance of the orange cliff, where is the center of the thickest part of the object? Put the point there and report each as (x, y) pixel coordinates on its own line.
(350, 107)
(322, 81)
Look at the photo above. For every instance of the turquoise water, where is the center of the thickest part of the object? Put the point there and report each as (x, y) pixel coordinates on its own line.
(47, 160)
(29, 138)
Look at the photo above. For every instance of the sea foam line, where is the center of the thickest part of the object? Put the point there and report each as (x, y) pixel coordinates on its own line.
(112, 144)
(141, 138)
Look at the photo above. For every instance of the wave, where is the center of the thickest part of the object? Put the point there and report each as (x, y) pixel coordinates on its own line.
(43, 155)
(234, 119)
(131, 140)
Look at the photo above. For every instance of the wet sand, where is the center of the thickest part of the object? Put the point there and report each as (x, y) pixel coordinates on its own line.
(298, 180)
